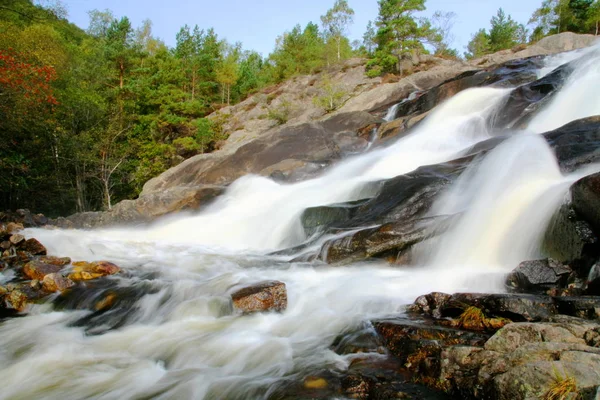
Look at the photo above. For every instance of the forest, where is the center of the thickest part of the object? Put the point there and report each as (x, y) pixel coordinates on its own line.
(88, 116)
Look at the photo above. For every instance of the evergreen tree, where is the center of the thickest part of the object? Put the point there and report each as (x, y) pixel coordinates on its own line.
(479, 45)
(399, 34)
(505, 33)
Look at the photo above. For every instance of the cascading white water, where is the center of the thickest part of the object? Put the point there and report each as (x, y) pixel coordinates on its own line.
(577, 99)
(507, 201)
(182, 340)
(257, 214)
(393, 110)
(391, 113)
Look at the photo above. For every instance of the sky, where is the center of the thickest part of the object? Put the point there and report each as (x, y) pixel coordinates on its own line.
(257, 23)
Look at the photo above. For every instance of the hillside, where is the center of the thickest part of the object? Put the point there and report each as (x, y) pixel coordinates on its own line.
(281, 132)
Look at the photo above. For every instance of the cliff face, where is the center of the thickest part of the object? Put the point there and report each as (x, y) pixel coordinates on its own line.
(284, 133)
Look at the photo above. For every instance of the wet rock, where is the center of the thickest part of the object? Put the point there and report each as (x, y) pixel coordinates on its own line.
(16, 239)
(38, 270)
(570, 240)
(585, 194)
(405, 338)
(388, 240)
(538, 275)
(323, 217)
(312, 382)
(5, 245)
(85, 271)
(576, 143)
(586, 307)
(55, 260)
(21, 295)
(12, 227)
(263, 296)
(33, 247)
(516, 307)
(56, 282)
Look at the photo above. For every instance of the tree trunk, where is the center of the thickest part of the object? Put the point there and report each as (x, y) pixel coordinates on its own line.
(597, 22)
(79, 187)
(193, 84)
(106, 186)
(339, 45)
(121, 74)
(228, 93)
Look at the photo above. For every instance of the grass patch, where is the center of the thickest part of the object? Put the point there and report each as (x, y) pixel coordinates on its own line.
(563, 388)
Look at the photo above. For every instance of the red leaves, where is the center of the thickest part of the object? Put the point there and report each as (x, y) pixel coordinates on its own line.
(30, 82)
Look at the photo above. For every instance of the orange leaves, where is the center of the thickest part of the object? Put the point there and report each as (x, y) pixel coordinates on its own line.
(31, 83)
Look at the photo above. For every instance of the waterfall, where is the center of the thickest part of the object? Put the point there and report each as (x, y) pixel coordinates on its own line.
(577, 99)
(391, 113)
(182, 340)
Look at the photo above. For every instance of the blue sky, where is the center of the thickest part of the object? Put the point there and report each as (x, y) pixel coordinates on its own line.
(257, 23)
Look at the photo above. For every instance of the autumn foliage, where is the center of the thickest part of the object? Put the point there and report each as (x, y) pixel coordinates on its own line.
(30, 83)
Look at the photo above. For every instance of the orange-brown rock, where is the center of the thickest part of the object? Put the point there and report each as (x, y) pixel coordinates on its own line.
(85, 271)
(55, 260)
(37, 269)
(13, 227)
(34, 247)
(263, 296)
(16, 239)
(56, 282)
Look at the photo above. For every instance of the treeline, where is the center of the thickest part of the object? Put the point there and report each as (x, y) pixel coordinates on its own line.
(87, 117)
(552, 17)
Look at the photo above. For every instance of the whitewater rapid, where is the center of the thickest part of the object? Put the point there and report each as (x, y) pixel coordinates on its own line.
(182, 339)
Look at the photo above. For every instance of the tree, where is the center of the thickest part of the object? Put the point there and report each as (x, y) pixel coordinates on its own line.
(336, 22)
(228, 71)
(399, 33)
(120, 47)
(593, 16)
(505, 33)
(442, 23)
(369, 38)
(332, 95)
(479, 45)
(100, 21)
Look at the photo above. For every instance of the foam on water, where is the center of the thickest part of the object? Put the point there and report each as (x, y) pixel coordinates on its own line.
(183, 341)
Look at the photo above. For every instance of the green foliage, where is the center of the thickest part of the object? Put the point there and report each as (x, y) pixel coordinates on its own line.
(479, 45)
(280, 113)
(556, 16)
(505, 33)
(399, 34)
(332, 95)
(336, 22)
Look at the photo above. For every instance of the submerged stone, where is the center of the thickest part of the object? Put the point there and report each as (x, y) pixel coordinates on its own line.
(263, 296)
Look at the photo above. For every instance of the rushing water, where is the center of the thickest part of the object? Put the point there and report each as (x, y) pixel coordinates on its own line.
(182, 340)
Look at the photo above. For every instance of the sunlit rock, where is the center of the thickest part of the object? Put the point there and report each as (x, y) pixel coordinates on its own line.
(56, 282)
(33, 247)
(38, 270)
(84, 271)
(263, 296)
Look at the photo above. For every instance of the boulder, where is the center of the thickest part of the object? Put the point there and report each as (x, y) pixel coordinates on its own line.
(56, 282)
(33, 247)
(37, 269)
(538, 276)
(386, 241)
(576, 143)
(147, 207)
(515, 307)
(585, 194)
(570, 240)
(16, 239)
(84, 271)
(263, 296)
